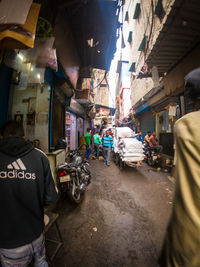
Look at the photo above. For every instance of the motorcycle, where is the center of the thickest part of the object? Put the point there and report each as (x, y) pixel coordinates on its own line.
(74, 177)
(152, 157)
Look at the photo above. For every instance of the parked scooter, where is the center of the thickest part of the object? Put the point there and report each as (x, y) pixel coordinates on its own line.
(152, 157)
(74, 177)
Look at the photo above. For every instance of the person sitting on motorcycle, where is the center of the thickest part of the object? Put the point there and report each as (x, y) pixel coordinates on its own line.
(139, 136)
(153, 143)
(147, 137)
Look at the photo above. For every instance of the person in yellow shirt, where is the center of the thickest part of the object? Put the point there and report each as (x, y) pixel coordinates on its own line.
(182, 240)
(147, 138)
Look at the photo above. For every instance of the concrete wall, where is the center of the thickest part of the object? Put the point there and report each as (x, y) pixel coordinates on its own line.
(20, 105)
(42, 116)
(139, 87)
(125, 102)
(146, 24)
(101, 93)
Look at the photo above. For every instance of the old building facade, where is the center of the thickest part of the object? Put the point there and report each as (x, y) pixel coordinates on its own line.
(162, 44)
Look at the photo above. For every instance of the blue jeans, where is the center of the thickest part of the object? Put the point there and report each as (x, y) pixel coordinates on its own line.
(88, 151)
(22, 256)
(96, 150)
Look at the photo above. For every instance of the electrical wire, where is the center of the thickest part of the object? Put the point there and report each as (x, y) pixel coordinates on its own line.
(99, 82)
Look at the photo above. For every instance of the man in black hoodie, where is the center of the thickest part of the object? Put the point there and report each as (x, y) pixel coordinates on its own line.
(26, 186)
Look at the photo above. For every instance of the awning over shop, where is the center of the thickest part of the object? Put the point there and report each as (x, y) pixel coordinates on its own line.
(20, 36)
(65, 48)
(180, 34)
(91, 24)
(161, 104)
(144, 107)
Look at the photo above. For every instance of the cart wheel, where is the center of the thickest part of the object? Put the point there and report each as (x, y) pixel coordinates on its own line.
(121, 165)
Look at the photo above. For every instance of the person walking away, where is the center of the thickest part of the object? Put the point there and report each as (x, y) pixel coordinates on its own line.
(139, 136)
(107, 144)
(26, 186)
(182, 240)
(97, 141)
(147, 137)
(87, 143)
(153, 143)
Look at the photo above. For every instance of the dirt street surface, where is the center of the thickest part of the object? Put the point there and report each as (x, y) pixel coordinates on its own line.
(121, 221)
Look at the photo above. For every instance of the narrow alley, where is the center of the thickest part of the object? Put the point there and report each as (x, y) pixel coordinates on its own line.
(121, 221)
(115, 83)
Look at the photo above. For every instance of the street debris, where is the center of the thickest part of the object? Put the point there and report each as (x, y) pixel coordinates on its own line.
(171, 179)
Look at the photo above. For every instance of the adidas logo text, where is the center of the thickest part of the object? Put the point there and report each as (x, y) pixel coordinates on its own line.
(17, 169)
(17, 174)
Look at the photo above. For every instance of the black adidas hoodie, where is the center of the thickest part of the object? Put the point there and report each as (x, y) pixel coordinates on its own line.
(26, 186)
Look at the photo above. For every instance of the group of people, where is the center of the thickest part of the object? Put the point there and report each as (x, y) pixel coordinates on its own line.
(150, 140)
(106, 143)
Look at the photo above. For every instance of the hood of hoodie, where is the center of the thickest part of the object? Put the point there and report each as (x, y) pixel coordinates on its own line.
(15, 146)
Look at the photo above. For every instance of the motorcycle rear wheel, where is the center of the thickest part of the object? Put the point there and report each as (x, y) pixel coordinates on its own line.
(150, 161)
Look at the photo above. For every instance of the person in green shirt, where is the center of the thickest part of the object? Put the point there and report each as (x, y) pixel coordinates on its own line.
(87, 143)
(97, 141)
